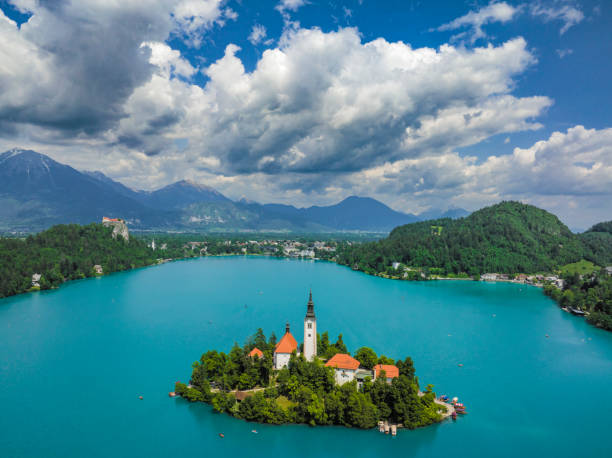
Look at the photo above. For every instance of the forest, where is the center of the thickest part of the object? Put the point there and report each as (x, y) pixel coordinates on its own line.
(66, 252)
(592, 294)
(509, 238)
(306, 392)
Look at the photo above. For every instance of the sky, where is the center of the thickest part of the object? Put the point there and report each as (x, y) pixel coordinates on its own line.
(420, 104)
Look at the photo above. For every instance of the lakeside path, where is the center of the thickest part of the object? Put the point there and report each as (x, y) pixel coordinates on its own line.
(449, 407)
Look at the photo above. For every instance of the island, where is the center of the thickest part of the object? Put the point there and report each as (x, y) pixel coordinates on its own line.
(315, 383)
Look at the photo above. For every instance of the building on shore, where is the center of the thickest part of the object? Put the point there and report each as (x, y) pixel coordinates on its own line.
(36, 280)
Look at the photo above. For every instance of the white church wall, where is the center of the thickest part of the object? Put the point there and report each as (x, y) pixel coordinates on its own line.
(281, 360)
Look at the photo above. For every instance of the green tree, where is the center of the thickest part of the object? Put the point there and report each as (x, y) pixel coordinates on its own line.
(367, 357)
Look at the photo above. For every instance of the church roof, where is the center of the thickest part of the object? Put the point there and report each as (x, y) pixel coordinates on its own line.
(287, 344)
(310, 310)
(256, 352)
(343, 361)
(390, 370)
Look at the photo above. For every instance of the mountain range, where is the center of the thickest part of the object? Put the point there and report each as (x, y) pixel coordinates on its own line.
(37, 192)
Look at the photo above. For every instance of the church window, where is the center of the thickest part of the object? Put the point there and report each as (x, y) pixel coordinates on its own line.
(309, 325)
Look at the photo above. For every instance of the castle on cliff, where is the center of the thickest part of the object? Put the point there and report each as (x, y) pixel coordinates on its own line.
(119, 227)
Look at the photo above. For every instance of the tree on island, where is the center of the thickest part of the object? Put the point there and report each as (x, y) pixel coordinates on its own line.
(367, 357)
(306, 392)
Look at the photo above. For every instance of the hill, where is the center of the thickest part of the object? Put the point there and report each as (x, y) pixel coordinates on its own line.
(509, 237)
(66, 252)
(180, 194)
(353, 213)
(598, 242)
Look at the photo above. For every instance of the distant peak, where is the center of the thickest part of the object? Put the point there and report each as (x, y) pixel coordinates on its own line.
(193, 184)
(20, 151)
(244, 200)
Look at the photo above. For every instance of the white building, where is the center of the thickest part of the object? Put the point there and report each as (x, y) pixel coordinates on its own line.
(283, 350)
(488, 277)
(35, 280)
(310, 331)
(395, 265)
(345, 367)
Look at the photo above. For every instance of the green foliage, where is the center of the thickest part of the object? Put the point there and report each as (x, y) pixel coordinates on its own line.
(382, 359)
(306, 392)
(508, 237)
(602, 227)
(325, 349)
(367, 357)
(598, 246)
(66, 252)
(582, 267)
(591, 293)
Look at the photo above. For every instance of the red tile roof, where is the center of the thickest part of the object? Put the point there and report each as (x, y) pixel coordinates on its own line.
(287, 344)
(343, 361)
(256, 352)
(390, 371)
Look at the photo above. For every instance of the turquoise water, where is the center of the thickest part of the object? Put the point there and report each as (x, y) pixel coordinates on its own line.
(74, 361)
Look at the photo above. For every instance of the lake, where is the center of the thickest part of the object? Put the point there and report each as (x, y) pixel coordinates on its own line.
(74, 361)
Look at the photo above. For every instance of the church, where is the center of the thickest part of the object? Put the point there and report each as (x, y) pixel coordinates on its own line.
(287, 344)
(346, 368)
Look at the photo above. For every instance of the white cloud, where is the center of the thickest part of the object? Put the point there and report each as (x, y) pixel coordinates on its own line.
(564, 52)
(572, 166)
(291, 5)
(475, 20)
(326, 101)
(194, 17)
(258, 34)
(569, 15)
(168, 60)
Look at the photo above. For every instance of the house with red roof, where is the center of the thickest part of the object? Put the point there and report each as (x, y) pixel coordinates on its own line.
(345, 367)
(390, 371)
(284, 348)
(256, 352)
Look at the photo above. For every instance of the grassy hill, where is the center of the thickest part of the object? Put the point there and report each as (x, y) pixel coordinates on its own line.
(509, 237)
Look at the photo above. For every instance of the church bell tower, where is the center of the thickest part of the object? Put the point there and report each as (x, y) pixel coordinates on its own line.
(310, 331)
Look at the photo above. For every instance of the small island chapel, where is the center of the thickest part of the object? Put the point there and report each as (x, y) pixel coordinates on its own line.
(345, 366)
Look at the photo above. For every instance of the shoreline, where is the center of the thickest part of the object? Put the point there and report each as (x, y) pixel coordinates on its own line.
(162, 261)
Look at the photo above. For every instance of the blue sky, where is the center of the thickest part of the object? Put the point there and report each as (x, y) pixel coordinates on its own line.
(421, 104)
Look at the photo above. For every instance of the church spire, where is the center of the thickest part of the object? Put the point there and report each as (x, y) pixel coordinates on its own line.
(310, 312)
